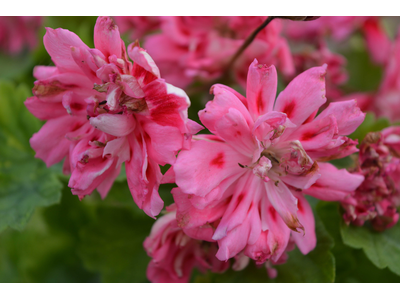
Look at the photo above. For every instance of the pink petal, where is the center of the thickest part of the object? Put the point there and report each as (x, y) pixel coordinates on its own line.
(238, 95)
(284, 202)
(348, 115)
(233, 128)
(278, 231)
(238, 238)
(262, 82)
(50, 143)
(305, 241)
(316, 134)
(377, 40)
(248, 192)
(334, 184)
(143, 59)
(58, 43)
(106, 37)
(222, 102)
(305, 180)
(44, 110)
(167, 104)
(131, 86)
(190, 217)
(81, 57)
(144, 177)
(118, 148)
(164, 142)
(201, 169)
(303, 95)
(44, 72)
(169, 176)
(117, 125)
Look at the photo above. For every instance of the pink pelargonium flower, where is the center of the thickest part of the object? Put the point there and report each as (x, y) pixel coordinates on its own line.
(18, 31)
(199, 48)
(249, 173)
(340, 28)
(137, 26)
(102, 110)
(174, 254)
(385, 101)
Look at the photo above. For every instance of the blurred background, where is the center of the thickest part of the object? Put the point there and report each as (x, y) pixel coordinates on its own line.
(48, 235)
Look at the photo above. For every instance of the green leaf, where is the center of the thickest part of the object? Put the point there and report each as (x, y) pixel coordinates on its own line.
(47, 250)
(13, 66)
(317, 266)
(112, 243)
(351, 264)
(25, 182)
(382, 248)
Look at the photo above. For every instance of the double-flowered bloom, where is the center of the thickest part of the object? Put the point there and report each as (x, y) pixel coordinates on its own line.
(174, 254)
(244, 181)
(103, 110)
(199, 48)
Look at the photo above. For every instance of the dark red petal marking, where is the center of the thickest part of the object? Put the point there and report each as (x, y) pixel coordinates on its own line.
(308, 135)
(77, 106)
(218, 161)
(260, 103)
(300, 206)
(289, 109)
(272, 212)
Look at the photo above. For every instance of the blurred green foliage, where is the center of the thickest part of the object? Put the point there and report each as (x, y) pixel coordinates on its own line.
(96, 240)
(25, 183)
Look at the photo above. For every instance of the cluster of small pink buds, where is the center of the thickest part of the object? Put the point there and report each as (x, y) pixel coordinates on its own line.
(378, 197)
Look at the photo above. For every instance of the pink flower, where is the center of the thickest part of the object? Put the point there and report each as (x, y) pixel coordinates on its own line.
(378, 197)
(248, 175)
(137, 26)
(17, 32)
(384, 102)
(336, 74)
(102, 110)
(174, 254)
(340, 28)
(201, 47)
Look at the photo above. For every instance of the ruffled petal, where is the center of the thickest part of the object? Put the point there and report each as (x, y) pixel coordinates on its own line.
(262, 83)
(303, 95)
(201, 169)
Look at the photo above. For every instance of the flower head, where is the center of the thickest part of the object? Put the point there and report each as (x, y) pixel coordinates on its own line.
(247, 176)
(103, 110)
(174, 254)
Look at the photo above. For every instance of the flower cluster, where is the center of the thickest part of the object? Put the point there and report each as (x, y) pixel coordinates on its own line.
(200, 47)
(241, 187)
(378, 197)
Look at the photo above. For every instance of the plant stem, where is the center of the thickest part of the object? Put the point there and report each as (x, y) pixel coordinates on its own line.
(247, 42)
